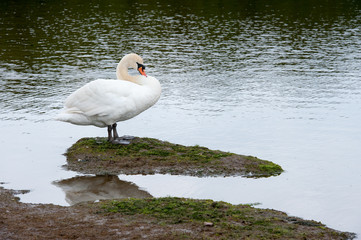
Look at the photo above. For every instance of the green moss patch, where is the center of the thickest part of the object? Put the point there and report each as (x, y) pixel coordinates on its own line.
(207, 219)
(149, 156)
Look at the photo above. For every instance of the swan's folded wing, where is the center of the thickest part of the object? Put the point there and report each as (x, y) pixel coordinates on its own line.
(101, 98)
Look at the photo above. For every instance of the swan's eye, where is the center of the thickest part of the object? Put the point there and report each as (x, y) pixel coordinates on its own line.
(141, 68)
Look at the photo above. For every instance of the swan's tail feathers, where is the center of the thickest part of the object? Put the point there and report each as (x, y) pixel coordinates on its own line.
(74, 117)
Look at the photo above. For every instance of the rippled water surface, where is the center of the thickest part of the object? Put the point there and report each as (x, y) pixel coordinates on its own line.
(277, 79)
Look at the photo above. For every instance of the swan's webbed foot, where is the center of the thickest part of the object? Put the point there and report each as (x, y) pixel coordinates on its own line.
(124, 140)
(114, 138)
(120, 141)
(127, 137)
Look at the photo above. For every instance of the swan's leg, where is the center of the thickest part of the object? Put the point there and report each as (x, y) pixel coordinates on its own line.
(110, 128)
(115, 133)
(125, 140)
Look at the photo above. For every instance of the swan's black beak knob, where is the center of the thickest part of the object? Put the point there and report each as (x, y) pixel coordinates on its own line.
(141, 69)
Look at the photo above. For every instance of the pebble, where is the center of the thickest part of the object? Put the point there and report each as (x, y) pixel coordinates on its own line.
(208, 224)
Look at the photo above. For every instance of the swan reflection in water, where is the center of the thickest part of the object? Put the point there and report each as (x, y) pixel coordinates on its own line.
(90, 188)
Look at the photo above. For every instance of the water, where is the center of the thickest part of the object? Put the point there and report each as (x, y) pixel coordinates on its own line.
(276, 79)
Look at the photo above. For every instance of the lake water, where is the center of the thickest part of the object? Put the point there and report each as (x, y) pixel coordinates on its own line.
(280, 80)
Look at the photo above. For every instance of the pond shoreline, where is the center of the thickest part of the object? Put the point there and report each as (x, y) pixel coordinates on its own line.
(152, 156)
(156, 218)
(111, 220)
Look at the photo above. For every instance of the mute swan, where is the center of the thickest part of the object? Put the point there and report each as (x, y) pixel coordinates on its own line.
(104, 102)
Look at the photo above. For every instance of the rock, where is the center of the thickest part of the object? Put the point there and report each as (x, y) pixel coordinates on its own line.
(208, 224)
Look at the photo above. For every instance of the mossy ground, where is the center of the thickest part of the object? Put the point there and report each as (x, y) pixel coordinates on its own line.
(221, 220)
(149, 156)
(154, 218)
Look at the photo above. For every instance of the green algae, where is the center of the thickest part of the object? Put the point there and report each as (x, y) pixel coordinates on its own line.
(227, 221)
(149, 156)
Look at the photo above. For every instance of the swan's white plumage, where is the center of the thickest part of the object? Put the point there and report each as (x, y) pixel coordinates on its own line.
(104, 102)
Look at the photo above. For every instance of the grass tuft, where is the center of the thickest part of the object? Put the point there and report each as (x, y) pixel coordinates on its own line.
(227, 220)
(148, 156)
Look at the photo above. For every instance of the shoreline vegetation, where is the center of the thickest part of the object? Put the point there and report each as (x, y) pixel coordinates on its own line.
(152, 156)
(153, 218)
(156, 218)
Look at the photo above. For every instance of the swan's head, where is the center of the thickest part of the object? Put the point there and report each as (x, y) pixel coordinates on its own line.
(134, 61)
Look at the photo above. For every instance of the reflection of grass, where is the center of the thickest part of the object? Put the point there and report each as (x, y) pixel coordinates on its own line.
(198, 160)
(228, 221)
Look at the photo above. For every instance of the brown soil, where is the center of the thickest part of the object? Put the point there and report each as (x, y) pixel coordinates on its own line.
(89, 221)
(46, 221)
(154, 218)
(150, 156)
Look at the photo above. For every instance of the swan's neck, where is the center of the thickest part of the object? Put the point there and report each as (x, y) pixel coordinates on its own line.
(122, 73)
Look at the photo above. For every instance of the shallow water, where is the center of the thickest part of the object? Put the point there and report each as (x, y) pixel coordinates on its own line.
(278, 80)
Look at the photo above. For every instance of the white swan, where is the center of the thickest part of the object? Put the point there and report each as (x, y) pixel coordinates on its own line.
(104, 102)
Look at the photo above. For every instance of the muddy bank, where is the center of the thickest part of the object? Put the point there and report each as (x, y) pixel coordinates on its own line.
(154, 218)
(150, 156)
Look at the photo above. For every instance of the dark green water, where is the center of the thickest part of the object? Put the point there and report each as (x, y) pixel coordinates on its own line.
(247, 50)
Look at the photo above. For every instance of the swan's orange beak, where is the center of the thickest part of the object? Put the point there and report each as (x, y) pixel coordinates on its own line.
(141, 71)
